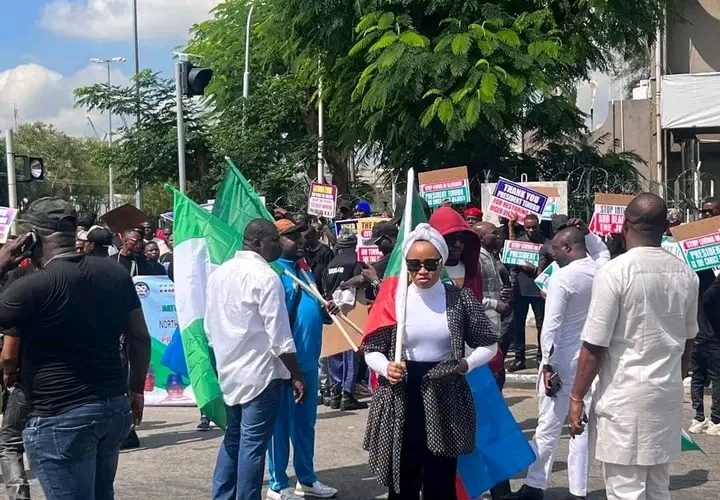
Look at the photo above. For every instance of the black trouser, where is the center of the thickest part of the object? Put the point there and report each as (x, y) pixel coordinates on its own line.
(520, 312)
(419, 468)
(705, 365)
(11, 445)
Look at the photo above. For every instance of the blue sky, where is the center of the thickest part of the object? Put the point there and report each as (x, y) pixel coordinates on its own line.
(45, 47)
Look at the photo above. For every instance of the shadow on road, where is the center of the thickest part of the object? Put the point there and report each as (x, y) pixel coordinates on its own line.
(690, 479)
(513, 400)
(357, 482)
(166, 439)
(160, 424)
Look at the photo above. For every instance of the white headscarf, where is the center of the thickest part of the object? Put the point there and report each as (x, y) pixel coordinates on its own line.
(425, 232)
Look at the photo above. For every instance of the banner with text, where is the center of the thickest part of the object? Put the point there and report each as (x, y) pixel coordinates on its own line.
(556, 191)
(450, 184)
(544, 278)
(510, 198)
(7, 216)
(520, 253)
(322, 200)
(163, 387)
(672, 246)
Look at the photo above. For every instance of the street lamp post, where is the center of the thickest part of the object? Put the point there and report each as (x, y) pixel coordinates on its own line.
(111, 187)
(138, 191)
(246, 75)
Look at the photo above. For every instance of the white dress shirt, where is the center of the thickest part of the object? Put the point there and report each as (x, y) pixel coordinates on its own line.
(643, 310)
(566, 308)
(597, 249)
(247, 325)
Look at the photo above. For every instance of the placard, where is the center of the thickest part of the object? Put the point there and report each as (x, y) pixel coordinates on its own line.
(673, 247)
(700, 242)
(544, 278)
(7, 216)
(556, 191)
(450, 184)
(609, 214)
(510, 198)
(333, 342)
(322, 200)
(520, 253)
(347, 225)
(368, 253)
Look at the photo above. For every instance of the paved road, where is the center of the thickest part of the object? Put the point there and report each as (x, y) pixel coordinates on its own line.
(176, 462)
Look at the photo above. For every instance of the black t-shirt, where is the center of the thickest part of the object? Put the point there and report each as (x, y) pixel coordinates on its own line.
(318, 260)
(135, 265)
(341, 268)
(154, 269)
(70, 317)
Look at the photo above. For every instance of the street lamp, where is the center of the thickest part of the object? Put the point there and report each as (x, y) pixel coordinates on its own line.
(107, 62)
(246, 75)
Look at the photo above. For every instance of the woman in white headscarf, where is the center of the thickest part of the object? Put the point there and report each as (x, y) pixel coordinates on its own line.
(422, 416)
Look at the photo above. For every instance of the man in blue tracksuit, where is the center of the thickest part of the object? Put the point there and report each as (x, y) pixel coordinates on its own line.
(296, 421)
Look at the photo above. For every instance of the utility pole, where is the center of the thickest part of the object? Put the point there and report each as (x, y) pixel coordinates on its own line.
(180, 126)
(321, 143)
(111, 177)
(138, 191)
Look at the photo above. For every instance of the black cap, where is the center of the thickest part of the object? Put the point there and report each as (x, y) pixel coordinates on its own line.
(346, 240)
(100, 236)
(382, 230)
(559, 221)
(54, 214)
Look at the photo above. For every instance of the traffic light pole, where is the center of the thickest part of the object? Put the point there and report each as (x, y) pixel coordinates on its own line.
(12, 182)
(180, 127)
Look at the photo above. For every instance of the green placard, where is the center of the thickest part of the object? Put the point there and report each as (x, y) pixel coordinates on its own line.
(519, 253)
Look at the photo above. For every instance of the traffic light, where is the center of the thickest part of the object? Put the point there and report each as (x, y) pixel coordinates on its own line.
(193, 80)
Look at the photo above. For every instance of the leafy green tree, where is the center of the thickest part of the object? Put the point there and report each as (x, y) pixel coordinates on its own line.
(74, 167)
(146, 151)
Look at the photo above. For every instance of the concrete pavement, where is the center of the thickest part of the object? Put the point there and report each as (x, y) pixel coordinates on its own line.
(176, 462)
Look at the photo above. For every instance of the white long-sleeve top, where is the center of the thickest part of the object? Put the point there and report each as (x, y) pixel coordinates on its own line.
(566, 307)
(247, 325)
(427, 335)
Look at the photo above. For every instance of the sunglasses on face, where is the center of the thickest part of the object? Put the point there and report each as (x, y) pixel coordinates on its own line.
(414, 265)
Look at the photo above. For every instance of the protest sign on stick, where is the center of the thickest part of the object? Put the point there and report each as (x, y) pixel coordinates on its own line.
(450, 184)
(322, 200)
(510, 198)
(368, 253)
(700, 242)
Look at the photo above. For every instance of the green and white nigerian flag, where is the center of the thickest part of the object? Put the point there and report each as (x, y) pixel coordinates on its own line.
(202, 243)
(687, 443)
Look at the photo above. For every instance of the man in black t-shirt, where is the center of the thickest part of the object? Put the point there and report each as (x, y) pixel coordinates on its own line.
(343, 367)
(131, 253)
(67, 319)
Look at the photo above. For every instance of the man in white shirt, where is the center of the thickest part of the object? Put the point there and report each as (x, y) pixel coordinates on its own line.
(637, 337)
(247, 325)
(568, 299)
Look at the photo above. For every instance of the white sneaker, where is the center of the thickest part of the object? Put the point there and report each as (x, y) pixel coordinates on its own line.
(698, 427)
(317, 490)
(713, 429)
(286, 494)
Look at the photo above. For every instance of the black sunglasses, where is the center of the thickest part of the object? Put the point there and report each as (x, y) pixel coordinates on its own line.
(414, 265)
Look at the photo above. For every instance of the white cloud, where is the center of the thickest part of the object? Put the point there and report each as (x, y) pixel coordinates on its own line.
(112, 19)
(41, 94)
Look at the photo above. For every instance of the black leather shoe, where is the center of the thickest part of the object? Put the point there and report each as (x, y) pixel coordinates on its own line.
(131, 442)
(527, 493)
(349, 403)
(516, 366)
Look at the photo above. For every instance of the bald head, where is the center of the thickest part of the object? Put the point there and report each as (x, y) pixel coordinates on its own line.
(568, 245)
(261, 236)
(645, 220)
(488, 234)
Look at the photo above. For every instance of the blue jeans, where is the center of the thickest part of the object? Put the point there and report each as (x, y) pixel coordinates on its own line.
(343, 369)
(296, 424)
(75, 454)
(241, 459)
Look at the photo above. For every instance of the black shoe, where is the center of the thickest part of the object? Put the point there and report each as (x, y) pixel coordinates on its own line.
(516, 366)
(131, 442)
(335, 399)
(349, 403)
(527, 493)
(327, 395)
(573, 497)
(204, 424)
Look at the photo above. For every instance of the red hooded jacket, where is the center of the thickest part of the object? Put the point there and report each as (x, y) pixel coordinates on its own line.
(447, 221)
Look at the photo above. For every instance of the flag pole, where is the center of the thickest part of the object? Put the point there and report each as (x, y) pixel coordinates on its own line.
(319, 298)
(401, 294)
